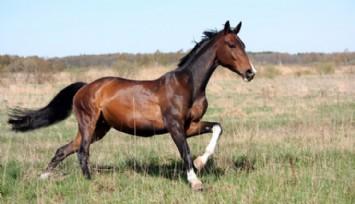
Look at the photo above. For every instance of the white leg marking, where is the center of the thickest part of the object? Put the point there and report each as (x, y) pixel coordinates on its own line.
(45, 175)
(196, 184)
(216, 132)
(191, 176)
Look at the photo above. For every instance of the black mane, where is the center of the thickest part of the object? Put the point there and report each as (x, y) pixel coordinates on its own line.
(207, 35)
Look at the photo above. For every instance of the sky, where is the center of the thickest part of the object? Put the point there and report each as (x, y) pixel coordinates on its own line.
(60, 28)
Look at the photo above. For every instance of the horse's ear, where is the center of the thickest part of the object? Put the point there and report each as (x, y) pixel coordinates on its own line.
(237, 29)
(227, 28)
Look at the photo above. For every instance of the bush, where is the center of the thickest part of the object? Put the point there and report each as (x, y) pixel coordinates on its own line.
(126, 69)
(301, 72)
(325, 68)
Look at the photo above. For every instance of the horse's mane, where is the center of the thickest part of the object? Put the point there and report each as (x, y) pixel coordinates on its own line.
(207, 36)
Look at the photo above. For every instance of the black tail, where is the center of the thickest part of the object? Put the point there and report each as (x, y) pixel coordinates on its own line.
(58, 109)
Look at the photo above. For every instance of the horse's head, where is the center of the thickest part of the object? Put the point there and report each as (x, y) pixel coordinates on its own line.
(231, 53)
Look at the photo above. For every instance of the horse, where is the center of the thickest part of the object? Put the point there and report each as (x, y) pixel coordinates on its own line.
(173, 103)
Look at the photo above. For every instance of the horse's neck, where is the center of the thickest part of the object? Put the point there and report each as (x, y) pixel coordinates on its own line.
(200, 70)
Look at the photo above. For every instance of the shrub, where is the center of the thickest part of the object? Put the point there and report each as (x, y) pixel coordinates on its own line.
(126, 69)
(325, 68)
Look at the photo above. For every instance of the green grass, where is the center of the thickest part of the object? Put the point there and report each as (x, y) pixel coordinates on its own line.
(283, 149)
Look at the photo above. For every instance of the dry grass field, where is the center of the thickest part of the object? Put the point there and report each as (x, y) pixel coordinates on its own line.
(288, 138)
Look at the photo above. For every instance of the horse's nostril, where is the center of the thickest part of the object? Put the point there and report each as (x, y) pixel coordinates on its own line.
(249, 73)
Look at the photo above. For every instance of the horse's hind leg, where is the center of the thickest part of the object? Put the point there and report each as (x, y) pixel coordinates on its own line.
(66, 150)
(92, 127)
(61, 154)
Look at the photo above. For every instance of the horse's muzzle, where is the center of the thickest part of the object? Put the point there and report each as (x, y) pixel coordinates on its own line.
(249, 74)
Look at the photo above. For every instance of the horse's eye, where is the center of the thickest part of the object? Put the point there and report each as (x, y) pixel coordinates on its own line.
(231, 46)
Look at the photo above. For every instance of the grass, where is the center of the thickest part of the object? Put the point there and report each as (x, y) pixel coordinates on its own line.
(287, 139)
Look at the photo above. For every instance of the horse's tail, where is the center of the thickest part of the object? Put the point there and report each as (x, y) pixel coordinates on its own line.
(58, 109)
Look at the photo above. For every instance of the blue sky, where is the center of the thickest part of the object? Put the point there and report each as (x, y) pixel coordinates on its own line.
(73, 27)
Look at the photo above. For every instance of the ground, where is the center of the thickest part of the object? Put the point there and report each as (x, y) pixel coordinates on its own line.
(288, 137)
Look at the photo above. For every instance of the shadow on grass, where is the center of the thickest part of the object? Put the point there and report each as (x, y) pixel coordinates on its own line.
(173, 169)
(244, 163)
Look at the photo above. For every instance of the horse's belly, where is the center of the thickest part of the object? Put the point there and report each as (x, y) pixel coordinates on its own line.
(140, 120)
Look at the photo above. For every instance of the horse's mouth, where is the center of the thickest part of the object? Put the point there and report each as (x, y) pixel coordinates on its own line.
(248, 79)
(248, 76)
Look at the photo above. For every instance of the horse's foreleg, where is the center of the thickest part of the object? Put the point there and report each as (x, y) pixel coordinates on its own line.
(178, 134)
(201, 128)
(61, 154)
(201, 161)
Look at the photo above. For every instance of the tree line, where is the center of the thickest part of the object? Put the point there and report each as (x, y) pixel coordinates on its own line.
(11, 63)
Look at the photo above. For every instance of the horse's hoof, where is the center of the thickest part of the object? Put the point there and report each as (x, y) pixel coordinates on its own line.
(198, 164)
(88, 177)
(197, 185)
(44, 175)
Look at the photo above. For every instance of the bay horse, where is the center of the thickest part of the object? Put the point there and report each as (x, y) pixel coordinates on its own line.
(174, 103)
